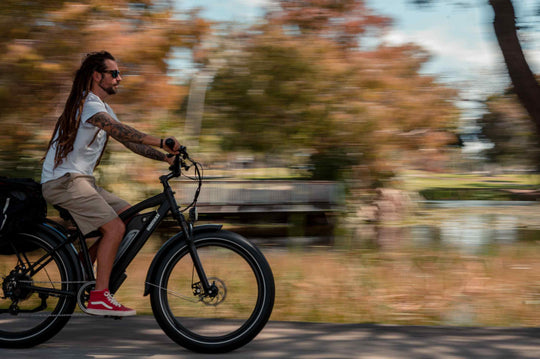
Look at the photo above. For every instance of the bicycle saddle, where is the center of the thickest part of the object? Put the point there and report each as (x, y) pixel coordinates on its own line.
(64, 213)
(66, 216)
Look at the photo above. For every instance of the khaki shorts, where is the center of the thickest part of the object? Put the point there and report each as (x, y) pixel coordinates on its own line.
(90, 205)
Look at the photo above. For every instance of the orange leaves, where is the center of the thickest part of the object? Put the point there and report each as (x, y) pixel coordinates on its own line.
(341, 20)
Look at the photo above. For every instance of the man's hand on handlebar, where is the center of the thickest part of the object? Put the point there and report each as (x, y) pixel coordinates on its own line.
(172, 146)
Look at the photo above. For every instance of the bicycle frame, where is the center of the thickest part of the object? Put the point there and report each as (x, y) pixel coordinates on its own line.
(166, 202)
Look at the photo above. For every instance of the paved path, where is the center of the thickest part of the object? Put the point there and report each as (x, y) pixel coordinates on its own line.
(140, 337)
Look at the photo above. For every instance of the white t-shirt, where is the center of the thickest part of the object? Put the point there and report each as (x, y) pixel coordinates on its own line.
(85, 154)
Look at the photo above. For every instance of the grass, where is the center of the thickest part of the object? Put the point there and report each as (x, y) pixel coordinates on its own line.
(406, 285)
(417, 181)
(451, 186)
(403, 284)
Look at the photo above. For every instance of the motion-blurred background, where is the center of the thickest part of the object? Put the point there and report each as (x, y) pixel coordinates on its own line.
(384, 153)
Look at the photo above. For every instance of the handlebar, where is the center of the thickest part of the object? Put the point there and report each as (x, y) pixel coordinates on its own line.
(181, 162)
(169, 142)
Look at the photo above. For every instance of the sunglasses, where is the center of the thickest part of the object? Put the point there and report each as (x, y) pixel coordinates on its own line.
(114, 73)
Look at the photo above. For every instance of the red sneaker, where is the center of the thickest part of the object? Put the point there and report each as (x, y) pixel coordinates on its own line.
(103, 303)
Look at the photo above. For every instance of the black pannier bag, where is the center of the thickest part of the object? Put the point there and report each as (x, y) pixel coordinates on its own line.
(22, 205)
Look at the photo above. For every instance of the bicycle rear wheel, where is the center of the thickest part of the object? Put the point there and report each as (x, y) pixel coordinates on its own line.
(31, 308)
(231, 318)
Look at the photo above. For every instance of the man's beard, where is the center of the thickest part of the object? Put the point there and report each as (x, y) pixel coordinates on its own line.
(109, 90)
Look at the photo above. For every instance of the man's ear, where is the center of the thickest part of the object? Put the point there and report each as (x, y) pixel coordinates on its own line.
(97, 76)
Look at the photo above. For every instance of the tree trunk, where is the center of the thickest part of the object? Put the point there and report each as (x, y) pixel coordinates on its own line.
(525, 84)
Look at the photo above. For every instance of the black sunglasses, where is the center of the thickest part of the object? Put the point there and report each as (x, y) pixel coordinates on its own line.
(114, 73)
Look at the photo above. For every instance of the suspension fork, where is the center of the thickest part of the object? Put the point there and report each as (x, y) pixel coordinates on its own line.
(209, 289)
(187, 228)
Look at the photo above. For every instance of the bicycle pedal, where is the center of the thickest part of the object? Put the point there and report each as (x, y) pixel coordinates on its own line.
(112, 317)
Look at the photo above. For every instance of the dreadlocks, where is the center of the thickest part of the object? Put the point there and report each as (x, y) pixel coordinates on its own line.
(69, 121)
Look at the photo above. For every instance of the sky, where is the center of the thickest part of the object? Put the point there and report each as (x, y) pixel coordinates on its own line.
(464, 50)
(461, 40)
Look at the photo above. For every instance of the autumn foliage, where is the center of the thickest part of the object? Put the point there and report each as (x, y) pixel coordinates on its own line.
(311, 78)
(42, 45)
(302, 81)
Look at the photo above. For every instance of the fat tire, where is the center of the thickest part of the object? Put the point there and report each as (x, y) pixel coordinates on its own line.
(250, 328)
(65, 306)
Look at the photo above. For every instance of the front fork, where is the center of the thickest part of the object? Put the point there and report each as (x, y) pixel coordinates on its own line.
(210, 289)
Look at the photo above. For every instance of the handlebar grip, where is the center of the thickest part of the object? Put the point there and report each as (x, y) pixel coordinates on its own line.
(169, 142)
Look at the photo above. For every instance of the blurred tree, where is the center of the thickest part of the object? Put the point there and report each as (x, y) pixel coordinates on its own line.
(525, 85)
(42, 44)
(524, 82)
(304, 83)
(342, 21)
(509, 128)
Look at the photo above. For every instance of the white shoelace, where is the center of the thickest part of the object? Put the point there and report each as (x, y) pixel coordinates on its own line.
(112, 300)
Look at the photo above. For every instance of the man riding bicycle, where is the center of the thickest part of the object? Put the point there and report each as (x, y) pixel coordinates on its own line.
(76, 146)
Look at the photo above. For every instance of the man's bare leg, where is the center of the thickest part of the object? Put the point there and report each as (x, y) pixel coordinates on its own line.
(101, 302)
(93, 250)
(113, 233)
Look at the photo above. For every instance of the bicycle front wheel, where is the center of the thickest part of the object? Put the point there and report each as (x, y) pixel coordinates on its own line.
(34, 303)
(234, 314)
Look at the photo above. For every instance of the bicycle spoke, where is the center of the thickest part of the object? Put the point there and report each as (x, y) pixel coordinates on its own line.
(231, 311)
(176, 294)
(35, 283)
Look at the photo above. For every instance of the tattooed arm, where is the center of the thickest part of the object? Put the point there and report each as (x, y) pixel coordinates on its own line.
(120, 131)
(133, 139)
(146, 151)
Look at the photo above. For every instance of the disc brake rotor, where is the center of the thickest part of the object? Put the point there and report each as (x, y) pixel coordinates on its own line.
(218, 292)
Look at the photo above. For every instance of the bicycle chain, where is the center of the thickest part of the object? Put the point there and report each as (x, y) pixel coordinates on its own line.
(80, 315)
(49, 282)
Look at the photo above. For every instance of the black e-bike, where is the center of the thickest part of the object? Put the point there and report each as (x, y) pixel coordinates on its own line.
(211, 290)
